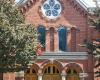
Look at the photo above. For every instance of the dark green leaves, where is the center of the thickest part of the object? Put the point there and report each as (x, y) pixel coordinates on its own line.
(18, 41)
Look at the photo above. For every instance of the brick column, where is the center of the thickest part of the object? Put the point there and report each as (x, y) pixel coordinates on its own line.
(90, 67)
(9, 76)
(63, 74)
(63, 77)
(47, 46)
(40, 76)
(73, 39)
(56, 40)
(51, 32)
(1, 76)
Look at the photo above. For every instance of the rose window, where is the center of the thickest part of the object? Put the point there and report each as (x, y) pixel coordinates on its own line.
(51, 9)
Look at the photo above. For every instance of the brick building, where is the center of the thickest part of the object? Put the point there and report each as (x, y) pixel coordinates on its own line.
(62, 25)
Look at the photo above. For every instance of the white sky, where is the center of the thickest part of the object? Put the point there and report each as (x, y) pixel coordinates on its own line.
(88, 3)
(17, 1)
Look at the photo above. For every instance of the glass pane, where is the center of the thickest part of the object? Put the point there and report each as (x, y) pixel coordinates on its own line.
(62, 39)
(52, 3)
(33, 71)
(41, 38)
(54, 69)
(48, 12)
(46, 6)
(69, 71)
(49, 69)
(54, 12)
(57, 7)
(45, 71)
(57, 71)
(74, 71)
(51, 9)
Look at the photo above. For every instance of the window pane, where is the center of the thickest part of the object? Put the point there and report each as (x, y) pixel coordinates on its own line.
(41, 38)
(45, 71)
(49, 68)
(33, 71)
(54, 69)
(62, 39)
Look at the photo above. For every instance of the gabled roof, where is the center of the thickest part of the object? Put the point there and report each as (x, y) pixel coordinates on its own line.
(82, 4)
(25, 4)
(22, 2)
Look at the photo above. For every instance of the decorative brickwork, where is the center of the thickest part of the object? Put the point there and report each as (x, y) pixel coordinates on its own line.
(75, 19)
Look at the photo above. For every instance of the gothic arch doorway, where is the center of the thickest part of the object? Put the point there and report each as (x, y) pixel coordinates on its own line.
(51, 72)
(31, 74)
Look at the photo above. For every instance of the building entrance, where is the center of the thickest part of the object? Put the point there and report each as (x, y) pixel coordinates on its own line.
(51, 72)
(72, 74)
(30, 74)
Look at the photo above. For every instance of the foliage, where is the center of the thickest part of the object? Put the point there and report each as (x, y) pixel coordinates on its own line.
(18, 40)
(94, 46)
(94, 49)
(94, 19)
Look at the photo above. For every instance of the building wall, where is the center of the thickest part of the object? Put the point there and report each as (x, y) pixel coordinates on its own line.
(1, 76)
(70, 17)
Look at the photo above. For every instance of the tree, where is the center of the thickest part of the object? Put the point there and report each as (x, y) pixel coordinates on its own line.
(94, 19)
(18, 41)
(93, 46)
(94, 49)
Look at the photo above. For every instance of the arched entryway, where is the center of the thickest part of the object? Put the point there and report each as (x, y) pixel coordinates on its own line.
(72, 71)
(72, 74)
(51, 72)
(31, 73)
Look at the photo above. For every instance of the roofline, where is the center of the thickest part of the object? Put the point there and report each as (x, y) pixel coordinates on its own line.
(20, 3)
(80, 4)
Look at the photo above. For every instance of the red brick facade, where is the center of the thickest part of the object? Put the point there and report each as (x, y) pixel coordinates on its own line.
(70, 17)
(74, 17)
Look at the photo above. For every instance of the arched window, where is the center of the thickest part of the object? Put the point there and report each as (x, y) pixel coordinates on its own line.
(51, 70)
(72, 74)
(51, 9)
(62, 32)
(51, 39)
(71, 71)
(41, 37)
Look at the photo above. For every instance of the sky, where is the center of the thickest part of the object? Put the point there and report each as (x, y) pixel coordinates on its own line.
(16, 0)
(88, 3)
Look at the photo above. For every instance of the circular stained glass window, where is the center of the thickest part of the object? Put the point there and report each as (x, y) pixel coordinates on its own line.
(51, 9)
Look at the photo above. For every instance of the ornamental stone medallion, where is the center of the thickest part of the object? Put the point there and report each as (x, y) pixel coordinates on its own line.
(51, 9)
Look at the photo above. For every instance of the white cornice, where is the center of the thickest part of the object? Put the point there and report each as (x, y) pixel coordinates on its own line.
(64, 55)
